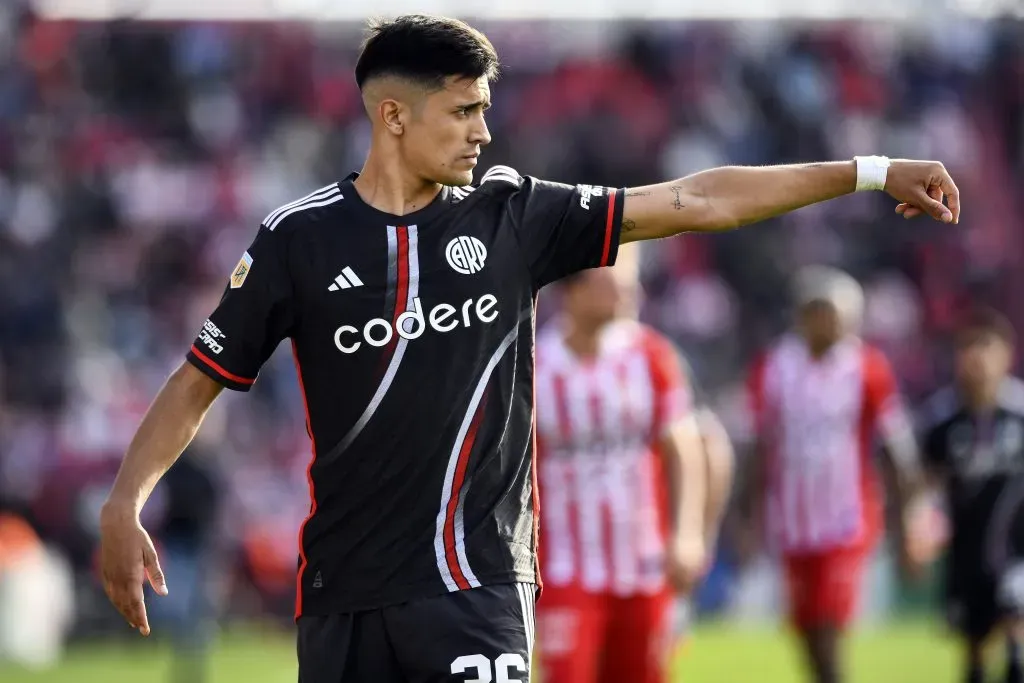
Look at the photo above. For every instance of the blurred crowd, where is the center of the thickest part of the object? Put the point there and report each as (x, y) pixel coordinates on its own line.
(136, 161)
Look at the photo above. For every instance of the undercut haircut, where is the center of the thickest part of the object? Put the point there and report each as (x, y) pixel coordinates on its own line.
(425, 50)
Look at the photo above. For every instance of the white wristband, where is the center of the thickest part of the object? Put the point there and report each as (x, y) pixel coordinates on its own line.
(871, 172)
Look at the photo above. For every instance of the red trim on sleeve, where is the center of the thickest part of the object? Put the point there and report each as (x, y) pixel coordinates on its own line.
(218, 369)
(609, 224)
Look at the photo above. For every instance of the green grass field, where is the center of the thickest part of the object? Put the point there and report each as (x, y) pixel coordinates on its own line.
(911, 653)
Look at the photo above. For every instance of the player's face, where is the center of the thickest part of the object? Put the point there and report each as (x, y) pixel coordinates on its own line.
(444, 137)
(599, 296)
(820, 325)
(983, 358)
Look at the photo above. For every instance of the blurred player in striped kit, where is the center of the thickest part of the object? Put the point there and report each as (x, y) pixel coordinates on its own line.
(630, 497)
(821, 396)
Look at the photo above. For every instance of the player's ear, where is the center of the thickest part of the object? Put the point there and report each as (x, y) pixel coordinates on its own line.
(393, 115)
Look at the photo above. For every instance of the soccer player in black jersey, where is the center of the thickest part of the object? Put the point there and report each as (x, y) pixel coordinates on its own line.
(974, 449)
(407, 294)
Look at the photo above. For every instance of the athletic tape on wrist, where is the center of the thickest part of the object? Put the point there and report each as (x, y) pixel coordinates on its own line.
(871, 172)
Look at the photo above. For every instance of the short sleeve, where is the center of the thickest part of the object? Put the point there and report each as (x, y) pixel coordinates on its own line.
(564, 229)
(673, 396)
(254, 314)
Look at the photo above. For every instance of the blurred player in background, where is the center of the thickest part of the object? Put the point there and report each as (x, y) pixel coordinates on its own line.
(974, 450)
(820, 395)
(623, 474)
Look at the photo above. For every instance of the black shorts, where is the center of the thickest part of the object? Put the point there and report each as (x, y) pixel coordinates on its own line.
(985, 574)
(478, 634)
(979, 599)
(972, 605)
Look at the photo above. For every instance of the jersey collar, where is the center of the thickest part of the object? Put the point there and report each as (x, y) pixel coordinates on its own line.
(439, 204)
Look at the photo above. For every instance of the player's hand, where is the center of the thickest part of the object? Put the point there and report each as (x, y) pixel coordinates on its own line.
(686, 562)
(921, 186)
(127, 560)
(924, 534)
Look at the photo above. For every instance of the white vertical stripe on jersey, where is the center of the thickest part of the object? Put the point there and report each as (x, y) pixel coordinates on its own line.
(591, 512)
(790, 492)
(815, 505)
(832, 501)
(620, 485)
(547, 419)
(825, 520)
(449, 477)
(623, 387)
(556, 475)
(641, 390)
(577, 403)
(610, 413)
(396, 358)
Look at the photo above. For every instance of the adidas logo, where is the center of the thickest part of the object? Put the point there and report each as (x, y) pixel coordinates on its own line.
(346, 279)
(318, 581)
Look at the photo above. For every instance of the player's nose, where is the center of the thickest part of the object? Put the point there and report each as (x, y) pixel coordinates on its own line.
(480, 135)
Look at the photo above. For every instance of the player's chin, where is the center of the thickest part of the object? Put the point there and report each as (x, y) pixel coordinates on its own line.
(459, 177)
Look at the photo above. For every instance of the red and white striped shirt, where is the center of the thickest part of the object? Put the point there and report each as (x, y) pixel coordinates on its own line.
(815, 421)
(604, 505)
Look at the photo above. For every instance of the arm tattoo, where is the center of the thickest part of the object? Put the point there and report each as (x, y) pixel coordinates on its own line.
(638, 193)
(676, 202)
(628, 225)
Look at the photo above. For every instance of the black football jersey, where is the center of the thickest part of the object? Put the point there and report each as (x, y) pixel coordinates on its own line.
(413, 338)
(981, 459)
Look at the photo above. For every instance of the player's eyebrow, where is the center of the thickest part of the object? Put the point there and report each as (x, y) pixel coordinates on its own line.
(486, 104)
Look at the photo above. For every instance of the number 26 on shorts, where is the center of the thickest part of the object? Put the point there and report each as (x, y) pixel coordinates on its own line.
(508, 668)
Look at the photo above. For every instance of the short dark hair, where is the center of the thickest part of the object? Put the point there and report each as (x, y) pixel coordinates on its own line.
(426, 50)
(984, 320)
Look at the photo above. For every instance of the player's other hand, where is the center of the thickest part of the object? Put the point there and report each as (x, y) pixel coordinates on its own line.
(921, 187)
(127, 560)
(686, 562)
(924, 535)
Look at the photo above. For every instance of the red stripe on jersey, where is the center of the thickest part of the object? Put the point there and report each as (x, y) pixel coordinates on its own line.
(450, 552)
(218, 369)
(402, 287)
(626, 416)
(608, 228)
(312, 493)
(597, 427)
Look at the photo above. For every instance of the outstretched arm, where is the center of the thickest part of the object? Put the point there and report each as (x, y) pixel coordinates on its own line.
(732, 196)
